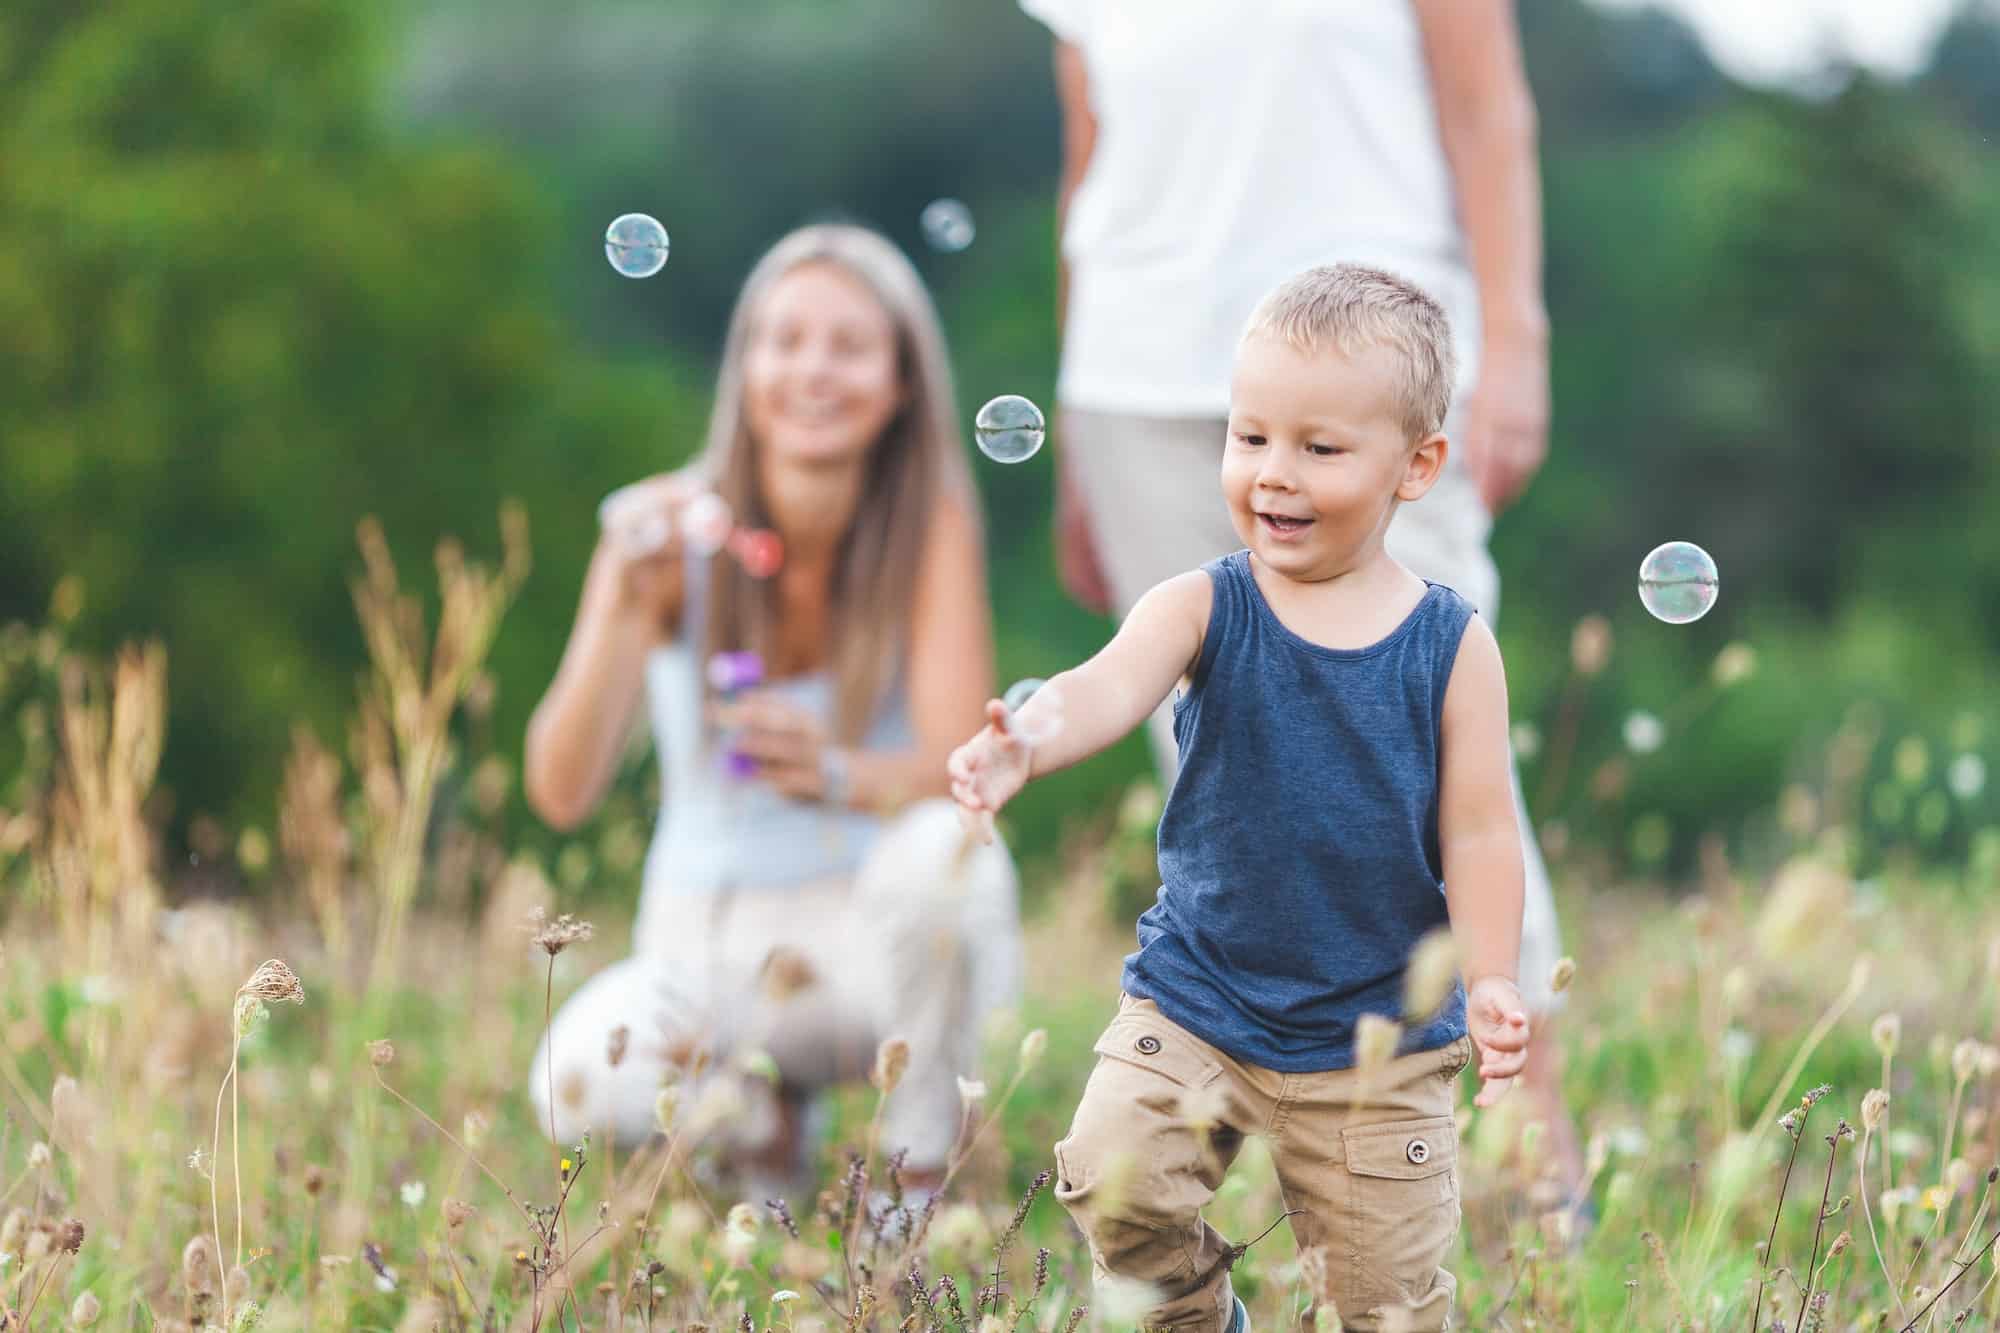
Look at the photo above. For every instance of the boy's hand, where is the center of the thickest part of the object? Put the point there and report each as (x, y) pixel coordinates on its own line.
(987, 770)
(1498, 1023)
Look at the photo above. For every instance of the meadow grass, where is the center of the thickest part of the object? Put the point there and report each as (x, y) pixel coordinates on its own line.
(309, 1109)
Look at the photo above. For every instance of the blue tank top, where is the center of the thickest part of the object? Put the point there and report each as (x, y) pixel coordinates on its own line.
(1298, 849)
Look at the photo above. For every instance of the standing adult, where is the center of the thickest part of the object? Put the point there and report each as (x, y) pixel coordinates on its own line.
(1211, 150)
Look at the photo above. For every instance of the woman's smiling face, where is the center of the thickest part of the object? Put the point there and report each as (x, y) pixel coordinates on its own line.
(822, 371)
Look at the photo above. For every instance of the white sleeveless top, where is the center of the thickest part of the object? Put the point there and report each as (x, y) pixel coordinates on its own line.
(719, 832)
(1240, 141)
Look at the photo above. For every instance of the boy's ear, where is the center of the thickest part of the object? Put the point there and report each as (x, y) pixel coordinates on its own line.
(1424, 466)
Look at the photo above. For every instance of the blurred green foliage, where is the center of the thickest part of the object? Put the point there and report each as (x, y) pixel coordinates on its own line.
(265, 271)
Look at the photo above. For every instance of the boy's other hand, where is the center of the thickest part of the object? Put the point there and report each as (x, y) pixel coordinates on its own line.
(987, 770)
(1498, 1023)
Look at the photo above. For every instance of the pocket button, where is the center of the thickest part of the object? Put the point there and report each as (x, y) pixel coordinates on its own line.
(1148, 1045)
(1418, 1152)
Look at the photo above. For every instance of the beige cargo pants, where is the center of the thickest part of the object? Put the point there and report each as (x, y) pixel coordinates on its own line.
(1371, 1168)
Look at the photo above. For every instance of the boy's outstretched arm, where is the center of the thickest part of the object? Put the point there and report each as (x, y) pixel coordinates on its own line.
(1087, 708)
(1481, 841)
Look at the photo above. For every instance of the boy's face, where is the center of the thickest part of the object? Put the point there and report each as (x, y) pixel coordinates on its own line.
(1316, 457)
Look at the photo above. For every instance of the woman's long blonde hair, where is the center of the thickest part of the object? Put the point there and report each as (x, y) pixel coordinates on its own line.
(916, 465)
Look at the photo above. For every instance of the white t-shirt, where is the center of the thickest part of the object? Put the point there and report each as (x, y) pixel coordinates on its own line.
(1238, 142)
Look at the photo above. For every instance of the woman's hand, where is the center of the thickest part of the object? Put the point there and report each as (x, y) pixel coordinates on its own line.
(787, 743)
(987, 770)
(1507, 420)
(640, 543)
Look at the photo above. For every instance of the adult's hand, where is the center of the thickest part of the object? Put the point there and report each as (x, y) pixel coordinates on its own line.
(1076, 546)
(1507, 421)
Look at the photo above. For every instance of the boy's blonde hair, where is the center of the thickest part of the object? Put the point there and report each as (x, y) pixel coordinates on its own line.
(1353, 307)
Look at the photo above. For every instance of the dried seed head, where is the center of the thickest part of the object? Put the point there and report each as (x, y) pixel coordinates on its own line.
(1957, 1175)
(892, 1057)
(39, 1155)
(1375, 1039)
(1590, 645)
(381, 1053)
(1840, 1244)
(456, 1212)
(786, 973)
(473, 1129)
(1032, 1047)
(1562, 974)
(83, 1313)
(615, 1044)
(198, 1267)
(12, 1229)
(665, 1105)
(1965, 1060)
(69, 1236)
(971, 1092)
(1432, 969)
(552, 937)
(1886, 1033)
(274, 983)
(1874, 1108)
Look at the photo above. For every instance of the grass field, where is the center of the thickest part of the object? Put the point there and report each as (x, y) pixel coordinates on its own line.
(184, 1147)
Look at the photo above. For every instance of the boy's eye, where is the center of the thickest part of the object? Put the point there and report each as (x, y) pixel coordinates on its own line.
(1252, 440)
(1324, 450)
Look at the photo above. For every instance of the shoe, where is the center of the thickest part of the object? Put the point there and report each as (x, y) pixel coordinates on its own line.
(1240, 1321)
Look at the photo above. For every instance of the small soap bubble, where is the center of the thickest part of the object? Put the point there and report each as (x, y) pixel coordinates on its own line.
(1678, 582)
(948, 225)
(1048, 717)
(637, 526)
(636, 245)
(707, 522)
(759, 550)
(1009, 429)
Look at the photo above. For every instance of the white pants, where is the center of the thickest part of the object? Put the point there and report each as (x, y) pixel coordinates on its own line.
(1153, 486)
(923, 943)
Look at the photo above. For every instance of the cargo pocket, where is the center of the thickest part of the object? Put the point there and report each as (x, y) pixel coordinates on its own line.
(1402, 1211)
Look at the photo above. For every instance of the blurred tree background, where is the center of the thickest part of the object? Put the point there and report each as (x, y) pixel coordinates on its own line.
(266, 271)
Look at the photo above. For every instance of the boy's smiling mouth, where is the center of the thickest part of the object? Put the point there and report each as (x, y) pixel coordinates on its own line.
(1283, 525)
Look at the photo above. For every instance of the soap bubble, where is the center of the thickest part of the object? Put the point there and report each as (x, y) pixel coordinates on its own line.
(759, 550)
(636, 245)
(1677, 582)
(707, 522)
(634, 521)
(1048, 718)
(1009, 429)
(948, 225)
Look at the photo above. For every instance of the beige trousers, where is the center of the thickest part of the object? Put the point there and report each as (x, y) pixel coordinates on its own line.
(1153, 486)
(1370, 1165)
(923, 943)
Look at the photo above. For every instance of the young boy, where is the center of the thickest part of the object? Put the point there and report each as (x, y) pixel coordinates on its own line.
(1343, 790)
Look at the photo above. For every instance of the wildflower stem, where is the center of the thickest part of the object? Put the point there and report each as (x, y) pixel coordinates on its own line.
(1764, 1264)
(214, 1151)
(1819, 1227)
(426, 1118)
(1952, 1282)
(1861, 1179)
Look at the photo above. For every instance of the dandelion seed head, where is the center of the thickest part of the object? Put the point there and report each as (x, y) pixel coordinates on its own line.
(39, 1155)
(1886, 1032)
(1032, 1047)
(414, 1193)
(1965, 1060)
(84, 1310)
(381, 1053)
(971, 1092)
(552, 937)
(1874, 1109)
